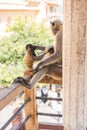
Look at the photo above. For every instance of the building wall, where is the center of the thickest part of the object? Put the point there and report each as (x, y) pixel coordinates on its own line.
(75, 65)
(42, 10)
(5, 14)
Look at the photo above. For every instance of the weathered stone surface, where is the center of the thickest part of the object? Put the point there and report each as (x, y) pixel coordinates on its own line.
(75, 64)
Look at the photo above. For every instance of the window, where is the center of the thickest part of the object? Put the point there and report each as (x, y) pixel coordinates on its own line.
(51, 9)
(9, 20)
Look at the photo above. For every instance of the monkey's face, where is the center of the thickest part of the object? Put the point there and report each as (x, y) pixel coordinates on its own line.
(55, 25)
(30, 49)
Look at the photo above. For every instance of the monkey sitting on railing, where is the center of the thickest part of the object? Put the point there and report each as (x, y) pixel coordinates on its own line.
(52, 65)
(29, 59)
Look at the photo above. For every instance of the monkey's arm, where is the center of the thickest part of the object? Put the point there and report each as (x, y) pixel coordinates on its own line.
(42, 48)
(37, 58)
(47, 49)
(56, 57)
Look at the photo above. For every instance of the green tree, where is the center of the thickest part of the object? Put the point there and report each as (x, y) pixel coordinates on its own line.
(12, 47)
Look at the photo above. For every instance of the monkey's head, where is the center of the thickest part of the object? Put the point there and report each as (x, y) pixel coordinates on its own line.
(30, 49)
(55, 26)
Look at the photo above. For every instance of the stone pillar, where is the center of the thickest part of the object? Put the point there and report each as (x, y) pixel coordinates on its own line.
(75, 65)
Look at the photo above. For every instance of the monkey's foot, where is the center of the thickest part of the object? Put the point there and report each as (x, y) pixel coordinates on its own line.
(24, 82)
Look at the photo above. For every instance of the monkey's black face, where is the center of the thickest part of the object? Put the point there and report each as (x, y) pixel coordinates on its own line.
(54, 26)
(52, 23)
(29, 46)
(31, 49)
(55, 22)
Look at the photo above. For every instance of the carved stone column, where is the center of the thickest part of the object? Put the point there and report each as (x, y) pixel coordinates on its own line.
(75, 65)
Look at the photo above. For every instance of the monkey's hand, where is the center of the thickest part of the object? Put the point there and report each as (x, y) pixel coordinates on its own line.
(39, 67)
(49, 49)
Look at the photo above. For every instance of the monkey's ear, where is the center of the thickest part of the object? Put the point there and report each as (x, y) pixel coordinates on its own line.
(52, 23)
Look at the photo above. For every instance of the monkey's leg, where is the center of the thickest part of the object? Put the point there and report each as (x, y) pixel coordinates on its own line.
(37, 76)
(51, 60)
(55, 72)
(52, 70)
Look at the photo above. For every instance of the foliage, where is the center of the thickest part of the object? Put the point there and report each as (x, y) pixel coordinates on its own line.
(12, 47)
(9, 73)
(31, 32)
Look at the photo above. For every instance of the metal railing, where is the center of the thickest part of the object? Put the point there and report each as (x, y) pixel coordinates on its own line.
(6, 97)
(49, 114)
(51, 126)
(15, 114)
(11, 93)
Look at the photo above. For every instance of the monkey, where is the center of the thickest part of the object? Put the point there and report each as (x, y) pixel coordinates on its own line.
(29, 59)
(52, 65)
(56, 28)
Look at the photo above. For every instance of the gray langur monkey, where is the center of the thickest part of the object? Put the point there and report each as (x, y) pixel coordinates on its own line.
(52, 65)
(56, 28)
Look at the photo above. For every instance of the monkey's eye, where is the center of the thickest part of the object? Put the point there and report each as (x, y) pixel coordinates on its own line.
(28, 46)
(52, 23)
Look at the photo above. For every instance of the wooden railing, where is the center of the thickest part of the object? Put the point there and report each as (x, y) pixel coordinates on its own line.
(10, 94)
